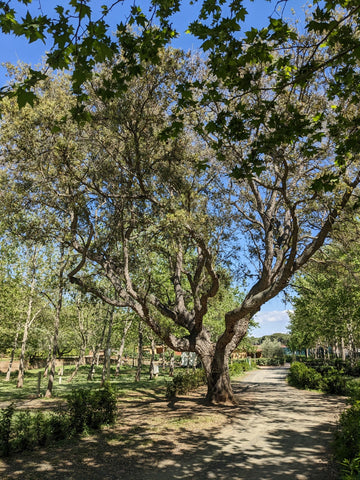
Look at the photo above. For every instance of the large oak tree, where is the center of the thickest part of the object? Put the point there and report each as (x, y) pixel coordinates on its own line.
(158, 212)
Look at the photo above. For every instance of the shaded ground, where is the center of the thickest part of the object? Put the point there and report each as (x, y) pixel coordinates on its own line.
(276, 432)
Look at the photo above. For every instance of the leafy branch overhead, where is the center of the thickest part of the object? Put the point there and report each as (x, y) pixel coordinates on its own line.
(192, 172)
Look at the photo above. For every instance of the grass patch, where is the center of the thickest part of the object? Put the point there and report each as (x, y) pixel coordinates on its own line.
(123, 384)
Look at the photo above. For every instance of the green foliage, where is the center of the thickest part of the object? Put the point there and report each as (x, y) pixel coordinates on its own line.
(85, 410)
(184, 382)
(326, 378)
(88, 408)
(353, 390)
(6, 415)
(326, 307)
(301, 376)
(350, 469)
(334, 382)
(273, 362)
(271, 348)
(347, 442)
(239, 367)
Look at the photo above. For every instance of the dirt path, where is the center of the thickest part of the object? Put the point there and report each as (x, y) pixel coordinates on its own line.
(276, 432)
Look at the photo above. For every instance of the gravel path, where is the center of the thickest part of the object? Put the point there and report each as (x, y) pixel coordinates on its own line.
(276, 433)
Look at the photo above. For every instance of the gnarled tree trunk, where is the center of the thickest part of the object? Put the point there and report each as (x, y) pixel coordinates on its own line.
(219, 389)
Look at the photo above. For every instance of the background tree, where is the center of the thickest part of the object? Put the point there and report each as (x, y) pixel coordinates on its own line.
(326, 309)
(271, 348)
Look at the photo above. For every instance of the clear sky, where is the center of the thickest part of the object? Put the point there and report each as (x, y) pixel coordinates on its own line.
(14, 49)
(273, 316)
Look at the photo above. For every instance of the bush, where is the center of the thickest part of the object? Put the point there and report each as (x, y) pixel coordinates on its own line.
(91, 409)
(347, 441)
(273, 362)
(78, 405)
(272, 348)
(85, 409)
(184, 382)
(353, 390)
(239, 367)
(23, 438)
(334, 382)
(301, 376)
(6, 415)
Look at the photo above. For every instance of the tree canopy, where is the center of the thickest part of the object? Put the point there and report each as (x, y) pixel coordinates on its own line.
(186, 166)
(326, 305)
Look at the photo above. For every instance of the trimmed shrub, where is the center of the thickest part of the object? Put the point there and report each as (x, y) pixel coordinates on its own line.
(301, 376)
(184, 382)
(86, 409)
(91, 409)
(239, 367)
(347, 441)
(334, 382)
(6, 415)
(23, 432)
(353, 390)
(270, 362)
(79, 409)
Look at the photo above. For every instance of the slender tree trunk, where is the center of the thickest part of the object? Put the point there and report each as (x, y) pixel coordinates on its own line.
(163, 358)
(107, 353)
(140, 353)
(122, 346)
(11, 361)
(48, 361)
(28, 322)
(171, 364)
(95, 358)
(60, 292)
(20, 380)
(343, 356)
(80, 360)
(152, 359)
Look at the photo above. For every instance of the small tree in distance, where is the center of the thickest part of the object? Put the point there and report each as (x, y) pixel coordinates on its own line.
(271, 348)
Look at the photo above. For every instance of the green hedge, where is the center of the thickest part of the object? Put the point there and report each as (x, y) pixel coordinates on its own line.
(322, 365)
(347, 436)
(85, 409)
(238, 367)
(184, 382)
(273, 362)
(347, 443)
(331, 381)
(301, 376)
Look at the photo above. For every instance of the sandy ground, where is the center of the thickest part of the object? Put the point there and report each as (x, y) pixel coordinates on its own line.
(276, 432)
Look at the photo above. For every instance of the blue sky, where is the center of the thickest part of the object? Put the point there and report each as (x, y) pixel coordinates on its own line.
(14, 49)
(273, 316)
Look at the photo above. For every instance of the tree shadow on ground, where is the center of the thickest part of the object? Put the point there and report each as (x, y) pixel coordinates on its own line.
(275, 433)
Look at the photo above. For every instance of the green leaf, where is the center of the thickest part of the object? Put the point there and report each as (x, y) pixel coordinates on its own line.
(25, 97)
